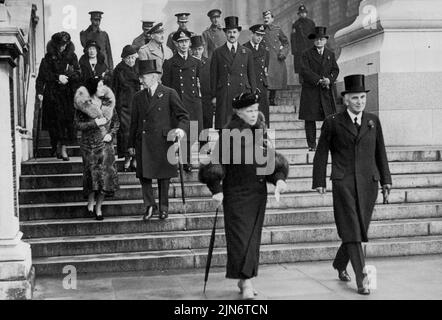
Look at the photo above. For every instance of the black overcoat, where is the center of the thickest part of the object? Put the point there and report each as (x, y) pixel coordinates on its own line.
(261, 58)
(206, 94)
(230, 76)
(183, 76)
(86, 68)
(301, 29)
(151, 121)
(317, 102)
(125, 84)
(359, 163)
(277, 43)
(245, 197)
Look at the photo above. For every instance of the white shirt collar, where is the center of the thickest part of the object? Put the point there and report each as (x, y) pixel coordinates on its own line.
(254, 46)
(229, 45)
(154, 88)
(183, 56)
(353, 116)
(320, 51)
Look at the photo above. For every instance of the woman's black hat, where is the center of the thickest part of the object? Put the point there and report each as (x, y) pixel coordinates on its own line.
(245, 99)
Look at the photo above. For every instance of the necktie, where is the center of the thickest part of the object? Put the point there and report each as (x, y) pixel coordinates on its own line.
(357, 125)
(233, 51)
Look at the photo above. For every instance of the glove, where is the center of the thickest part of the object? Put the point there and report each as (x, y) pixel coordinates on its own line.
(281, 187)
(107, 138)
(218, 199)
(180, 134)
(101, 122)
(132, 152)
(63, 79)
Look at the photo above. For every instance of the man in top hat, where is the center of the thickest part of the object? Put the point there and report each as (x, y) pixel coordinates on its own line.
(359, 163)
(158, 117)
(319, 71)
(155, 49)
(182, 21)
(197, 48)
(232, 72)
(261, 58)
(301, 29)
(145, 37)
(277, 44)
(214, 36)
(182, 73)
(93, 32)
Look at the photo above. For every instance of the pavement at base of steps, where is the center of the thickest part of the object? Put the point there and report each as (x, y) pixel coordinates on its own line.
(397, 278)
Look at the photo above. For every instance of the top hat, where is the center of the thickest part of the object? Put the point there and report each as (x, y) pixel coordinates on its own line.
(197, 41)
(182, 17)
(354, 83)
(302, 8)
(148, 67)
(214, 13)
(232, 23)
(259, 29)
(96, 14)
(61, 38)
(156, 28)
(181, 35)
(128, 51)
(245, 99)
(91, 43)
(266, 13)
(320, 32)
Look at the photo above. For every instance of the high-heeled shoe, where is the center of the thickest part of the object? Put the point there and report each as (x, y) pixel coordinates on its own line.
(91, 213)
(99, 217)
(241, 289)
(148, 214)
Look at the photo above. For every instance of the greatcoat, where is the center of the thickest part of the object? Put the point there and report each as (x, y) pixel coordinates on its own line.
(154, 51)
(277, 44)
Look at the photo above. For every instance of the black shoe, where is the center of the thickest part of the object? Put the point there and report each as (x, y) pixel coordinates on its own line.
(187, 168)
(90, 213)
(99, 218)
(66, 159)
(148, 214)
(344, 276)
(164, 215)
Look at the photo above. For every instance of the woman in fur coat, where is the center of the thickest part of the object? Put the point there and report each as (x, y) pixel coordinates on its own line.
(57, 80)
(239, 181)
(92, 63)
(98, 122)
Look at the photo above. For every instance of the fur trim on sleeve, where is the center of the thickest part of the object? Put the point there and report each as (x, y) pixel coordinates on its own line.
(282, 169)
(211, 173)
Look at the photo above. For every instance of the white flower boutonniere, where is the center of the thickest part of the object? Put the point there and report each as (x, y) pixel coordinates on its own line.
(243, 51)
(371, 124)
(160, 95)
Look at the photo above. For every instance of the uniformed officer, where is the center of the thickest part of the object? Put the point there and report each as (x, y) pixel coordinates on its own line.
(145, 37)
(261, 59)
(182, 73)
(197, 48)
(158, 116)
(214, 36)
(232, 72)
(359, 163)
(155, 49)
(94, 33)
(182, 21)
(301, 29)
(277, 44)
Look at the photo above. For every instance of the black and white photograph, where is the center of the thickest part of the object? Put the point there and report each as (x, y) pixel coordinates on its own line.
(235, 152)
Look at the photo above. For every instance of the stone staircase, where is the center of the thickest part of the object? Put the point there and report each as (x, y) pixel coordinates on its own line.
(300, 228)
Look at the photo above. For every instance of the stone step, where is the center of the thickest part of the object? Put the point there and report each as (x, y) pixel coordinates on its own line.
(67, 210)
(270, 254)
(294, 156)
(179, 240)
(283, 108)
(283, 117)
(204, 221)
(196, 189)
(299, 171)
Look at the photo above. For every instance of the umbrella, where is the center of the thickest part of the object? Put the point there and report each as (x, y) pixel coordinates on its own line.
(180, 163)
(210, 254)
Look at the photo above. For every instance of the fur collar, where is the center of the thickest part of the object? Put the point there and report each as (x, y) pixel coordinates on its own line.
(52, 50)
(237, 123)
(95, 107)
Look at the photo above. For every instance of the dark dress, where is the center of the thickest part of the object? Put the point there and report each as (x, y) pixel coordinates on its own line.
(245, 199)
(100, 173)
(86, 69)
(125, 84)
(58, 106)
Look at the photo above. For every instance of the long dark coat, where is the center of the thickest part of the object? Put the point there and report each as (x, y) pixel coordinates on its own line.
(151, 121)
(316, 102)
(229, 78)
(245, 198)
(183, 76)
(102, 38)
(261, 58)
(86, 68)
(126, 84)
(58, 99)
(206, 94)
(359, 163)
(277, 43)
(302, 28)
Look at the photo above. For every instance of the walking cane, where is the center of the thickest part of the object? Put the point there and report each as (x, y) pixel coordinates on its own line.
(181, 169)
(210, 253)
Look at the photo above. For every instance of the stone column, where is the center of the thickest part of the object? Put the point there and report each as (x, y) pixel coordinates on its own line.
(16, 273)
(397, 44)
